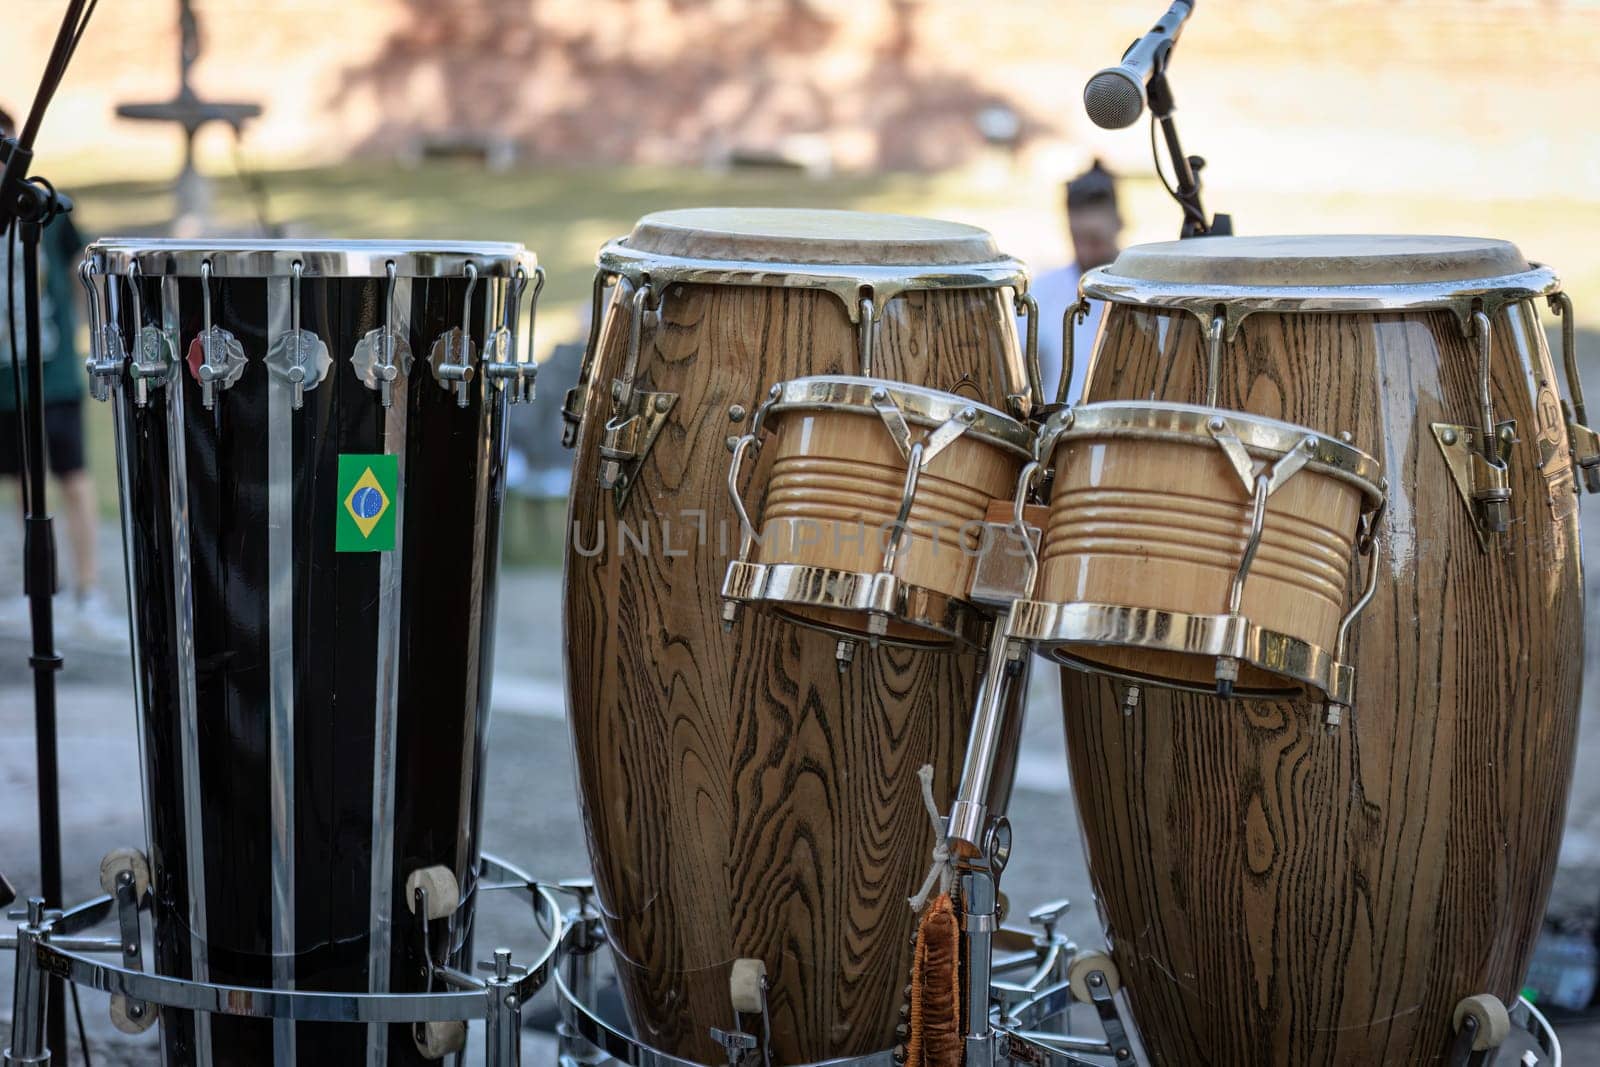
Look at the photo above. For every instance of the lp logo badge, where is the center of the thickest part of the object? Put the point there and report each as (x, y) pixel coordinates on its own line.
(368, 486)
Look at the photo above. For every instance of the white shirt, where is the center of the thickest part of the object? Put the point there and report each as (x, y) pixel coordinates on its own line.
(1055, 291)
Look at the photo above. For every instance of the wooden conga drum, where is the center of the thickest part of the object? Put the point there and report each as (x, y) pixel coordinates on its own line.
(1278, 892)
(742, 797)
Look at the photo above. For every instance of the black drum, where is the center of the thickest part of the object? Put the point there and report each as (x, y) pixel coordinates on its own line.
(311, 443)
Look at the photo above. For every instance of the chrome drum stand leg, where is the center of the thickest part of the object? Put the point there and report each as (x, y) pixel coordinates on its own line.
(31, 997)
(502, 1037)
(583, 939)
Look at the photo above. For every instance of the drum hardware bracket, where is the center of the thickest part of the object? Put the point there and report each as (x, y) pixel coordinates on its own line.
(573, 404)
(1261, 486)
(1484, 484)
(384, 352)
(747, 989)
(1343, 677)
(152, 363)
(222, 356)
(637, 417)
(502, 368)
(106, 356)
(1072, 318)
(1585, 442)
(1027, 308)
(298, 356)
(451, 372)
(629, 438)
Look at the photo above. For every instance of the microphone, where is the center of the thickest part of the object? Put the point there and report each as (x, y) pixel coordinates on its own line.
(1114, 98)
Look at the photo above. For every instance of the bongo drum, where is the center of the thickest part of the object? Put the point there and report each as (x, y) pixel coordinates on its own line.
(1201, 548)
(311, 457)
(874, 511)
(1276, 892)
(743, 798)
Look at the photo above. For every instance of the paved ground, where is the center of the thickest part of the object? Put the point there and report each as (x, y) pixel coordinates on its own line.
(532, 817)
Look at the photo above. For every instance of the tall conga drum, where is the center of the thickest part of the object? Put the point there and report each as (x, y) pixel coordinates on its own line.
(747, 795)
(1322, 869)
(311, 443)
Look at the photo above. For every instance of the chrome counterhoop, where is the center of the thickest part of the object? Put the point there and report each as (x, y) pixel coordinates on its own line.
(848, 282)
(158, 257)
(1237, 302)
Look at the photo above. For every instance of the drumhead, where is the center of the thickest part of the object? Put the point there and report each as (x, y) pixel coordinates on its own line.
(810, 236)
(317, 258)
(1320, 260)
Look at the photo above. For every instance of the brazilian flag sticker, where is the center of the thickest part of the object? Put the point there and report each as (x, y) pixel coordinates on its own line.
(367, 490)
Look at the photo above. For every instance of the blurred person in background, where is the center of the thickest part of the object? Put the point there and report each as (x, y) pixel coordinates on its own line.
(1095, 227)
(85, 611)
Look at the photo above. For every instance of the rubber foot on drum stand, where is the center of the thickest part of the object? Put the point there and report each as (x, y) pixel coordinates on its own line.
(1482, 1024)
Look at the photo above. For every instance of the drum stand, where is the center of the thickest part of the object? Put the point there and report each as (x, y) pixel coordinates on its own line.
(57, 944)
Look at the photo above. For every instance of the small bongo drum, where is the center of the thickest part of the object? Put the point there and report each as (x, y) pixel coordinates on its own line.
(874, 511)
(1201, 548)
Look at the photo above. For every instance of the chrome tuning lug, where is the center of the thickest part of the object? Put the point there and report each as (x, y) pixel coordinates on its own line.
(451, 355)
(298, 356)
(152, 362)
(221, 355)
(384, 354)
(104, 363)
(1585, 443)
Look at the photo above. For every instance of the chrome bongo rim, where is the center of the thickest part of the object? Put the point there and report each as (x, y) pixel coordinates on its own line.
(1054, 626)
(1235, 302)
(847, 281)
(920, 406)
(173, 257)
(1263, 437)
(784, 587)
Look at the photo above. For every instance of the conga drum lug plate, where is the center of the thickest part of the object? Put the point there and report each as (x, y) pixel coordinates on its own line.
(629, 438)
(1474, 477)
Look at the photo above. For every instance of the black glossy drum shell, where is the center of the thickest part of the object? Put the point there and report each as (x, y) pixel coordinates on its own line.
(440, 642)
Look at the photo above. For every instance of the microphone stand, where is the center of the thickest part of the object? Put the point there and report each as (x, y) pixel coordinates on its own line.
(1186, 169)
(29, 206)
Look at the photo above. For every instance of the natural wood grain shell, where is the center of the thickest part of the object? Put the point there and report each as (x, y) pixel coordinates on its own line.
(1278, 895)
(741, 797)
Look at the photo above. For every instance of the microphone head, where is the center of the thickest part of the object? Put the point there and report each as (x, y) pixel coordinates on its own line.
(1114, 99)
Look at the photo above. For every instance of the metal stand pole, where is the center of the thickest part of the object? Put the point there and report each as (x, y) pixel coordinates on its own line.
(979, 920)
(572, 1050)
(39, 584)
(1185, 169)
(31, 998)
(502, 1034)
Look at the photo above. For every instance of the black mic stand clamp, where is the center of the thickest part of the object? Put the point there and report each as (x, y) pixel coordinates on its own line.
(1186, 169)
